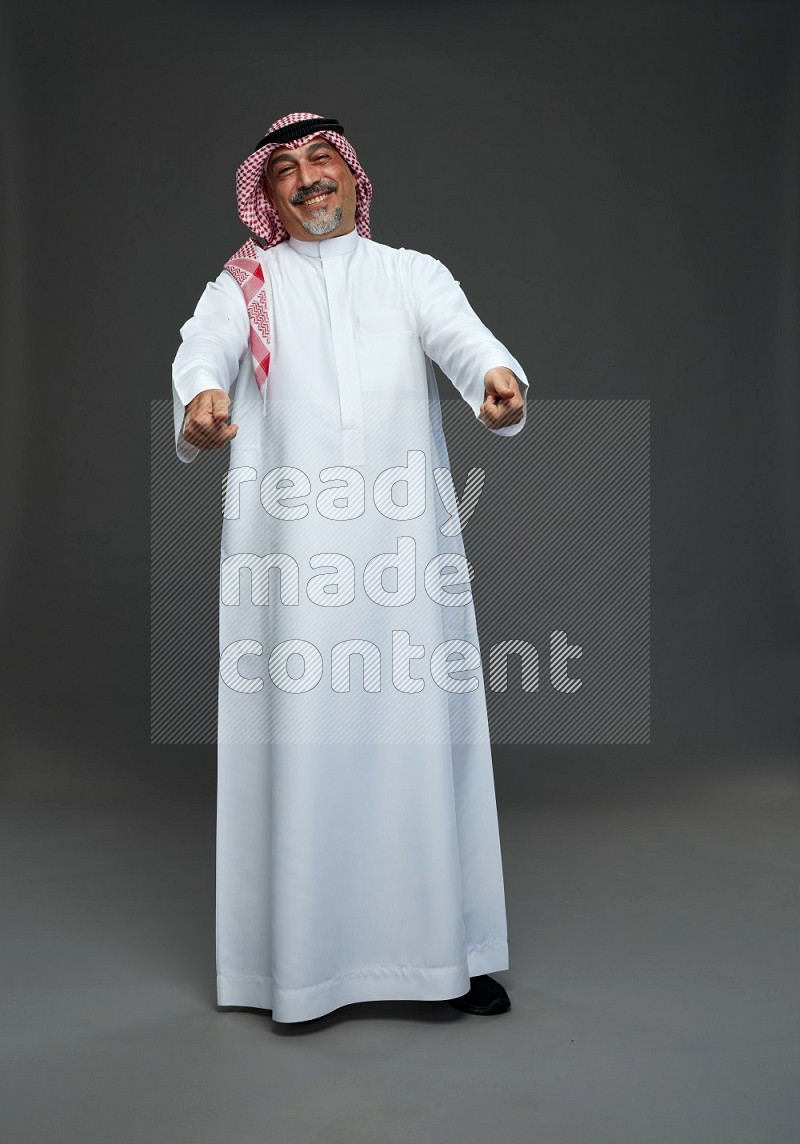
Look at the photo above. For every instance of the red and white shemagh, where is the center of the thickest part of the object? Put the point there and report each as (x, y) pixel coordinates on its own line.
(260, 216)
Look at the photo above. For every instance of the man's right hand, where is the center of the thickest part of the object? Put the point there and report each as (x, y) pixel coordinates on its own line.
(205, 422)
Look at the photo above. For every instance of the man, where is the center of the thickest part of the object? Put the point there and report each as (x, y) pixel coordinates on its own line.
(358, 853)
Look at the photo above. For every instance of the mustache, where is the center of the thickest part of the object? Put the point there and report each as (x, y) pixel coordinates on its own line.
(317, 189)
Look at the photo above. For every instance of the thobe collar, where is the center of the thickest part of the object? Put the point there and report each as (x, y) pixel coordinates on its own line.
(327, 247)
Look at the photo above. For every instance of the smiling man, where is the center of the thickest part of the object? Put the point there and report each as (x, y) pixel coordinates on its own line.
(312, 189)
(358, 853)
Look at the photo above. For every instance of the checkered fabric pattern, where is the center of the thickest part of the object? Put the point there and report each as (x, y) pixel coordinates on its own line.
(260, 216)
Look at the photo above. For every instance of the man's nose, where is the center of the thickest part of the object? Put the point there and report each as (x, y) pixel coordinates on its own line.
(307, 175)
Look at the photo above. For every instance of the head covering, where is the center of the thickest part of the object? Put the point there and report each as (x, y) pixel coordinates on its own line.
(257, 213)
(295, 130)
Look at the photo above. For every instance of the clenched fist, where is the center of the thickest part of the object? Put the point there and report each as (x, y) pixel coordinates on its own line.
(205, 422)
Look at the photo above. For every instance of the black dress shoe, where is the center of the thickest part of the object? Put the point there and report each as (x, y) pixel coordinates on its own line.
(486, 997)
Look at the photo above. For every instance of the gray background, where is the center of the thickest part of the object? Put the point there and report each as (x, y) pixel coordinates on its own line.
(616, 188)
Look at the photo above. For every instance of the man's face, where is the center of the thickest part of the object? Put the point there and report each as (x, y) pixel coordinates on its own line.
(316, 171)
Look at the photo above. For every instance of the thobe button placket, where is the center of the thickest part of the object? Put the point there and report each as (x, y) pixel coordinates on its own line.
(350, 404)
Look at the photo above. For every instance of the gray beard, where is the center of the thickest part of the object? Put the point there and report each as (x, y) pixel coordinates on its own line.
(324, 225)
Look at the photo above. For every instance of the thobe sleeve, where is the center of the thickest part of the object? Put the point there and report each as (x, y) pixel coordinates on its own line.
(455, 338)
(213, 342)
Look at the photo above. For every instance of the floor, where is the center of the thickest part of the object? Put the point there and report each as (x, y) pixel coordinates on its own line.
(653, 931)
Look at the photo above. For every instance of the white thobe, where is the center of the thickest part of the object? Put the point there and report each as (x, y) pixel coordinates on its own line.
(358, 852)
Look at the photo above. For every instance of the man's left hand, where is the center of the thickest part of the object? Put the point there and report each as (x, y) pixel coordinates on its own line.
(503, 403)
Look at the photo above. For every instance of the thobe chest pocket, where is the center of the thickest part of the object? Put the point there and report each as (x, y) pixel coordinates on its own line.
(389, 352)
